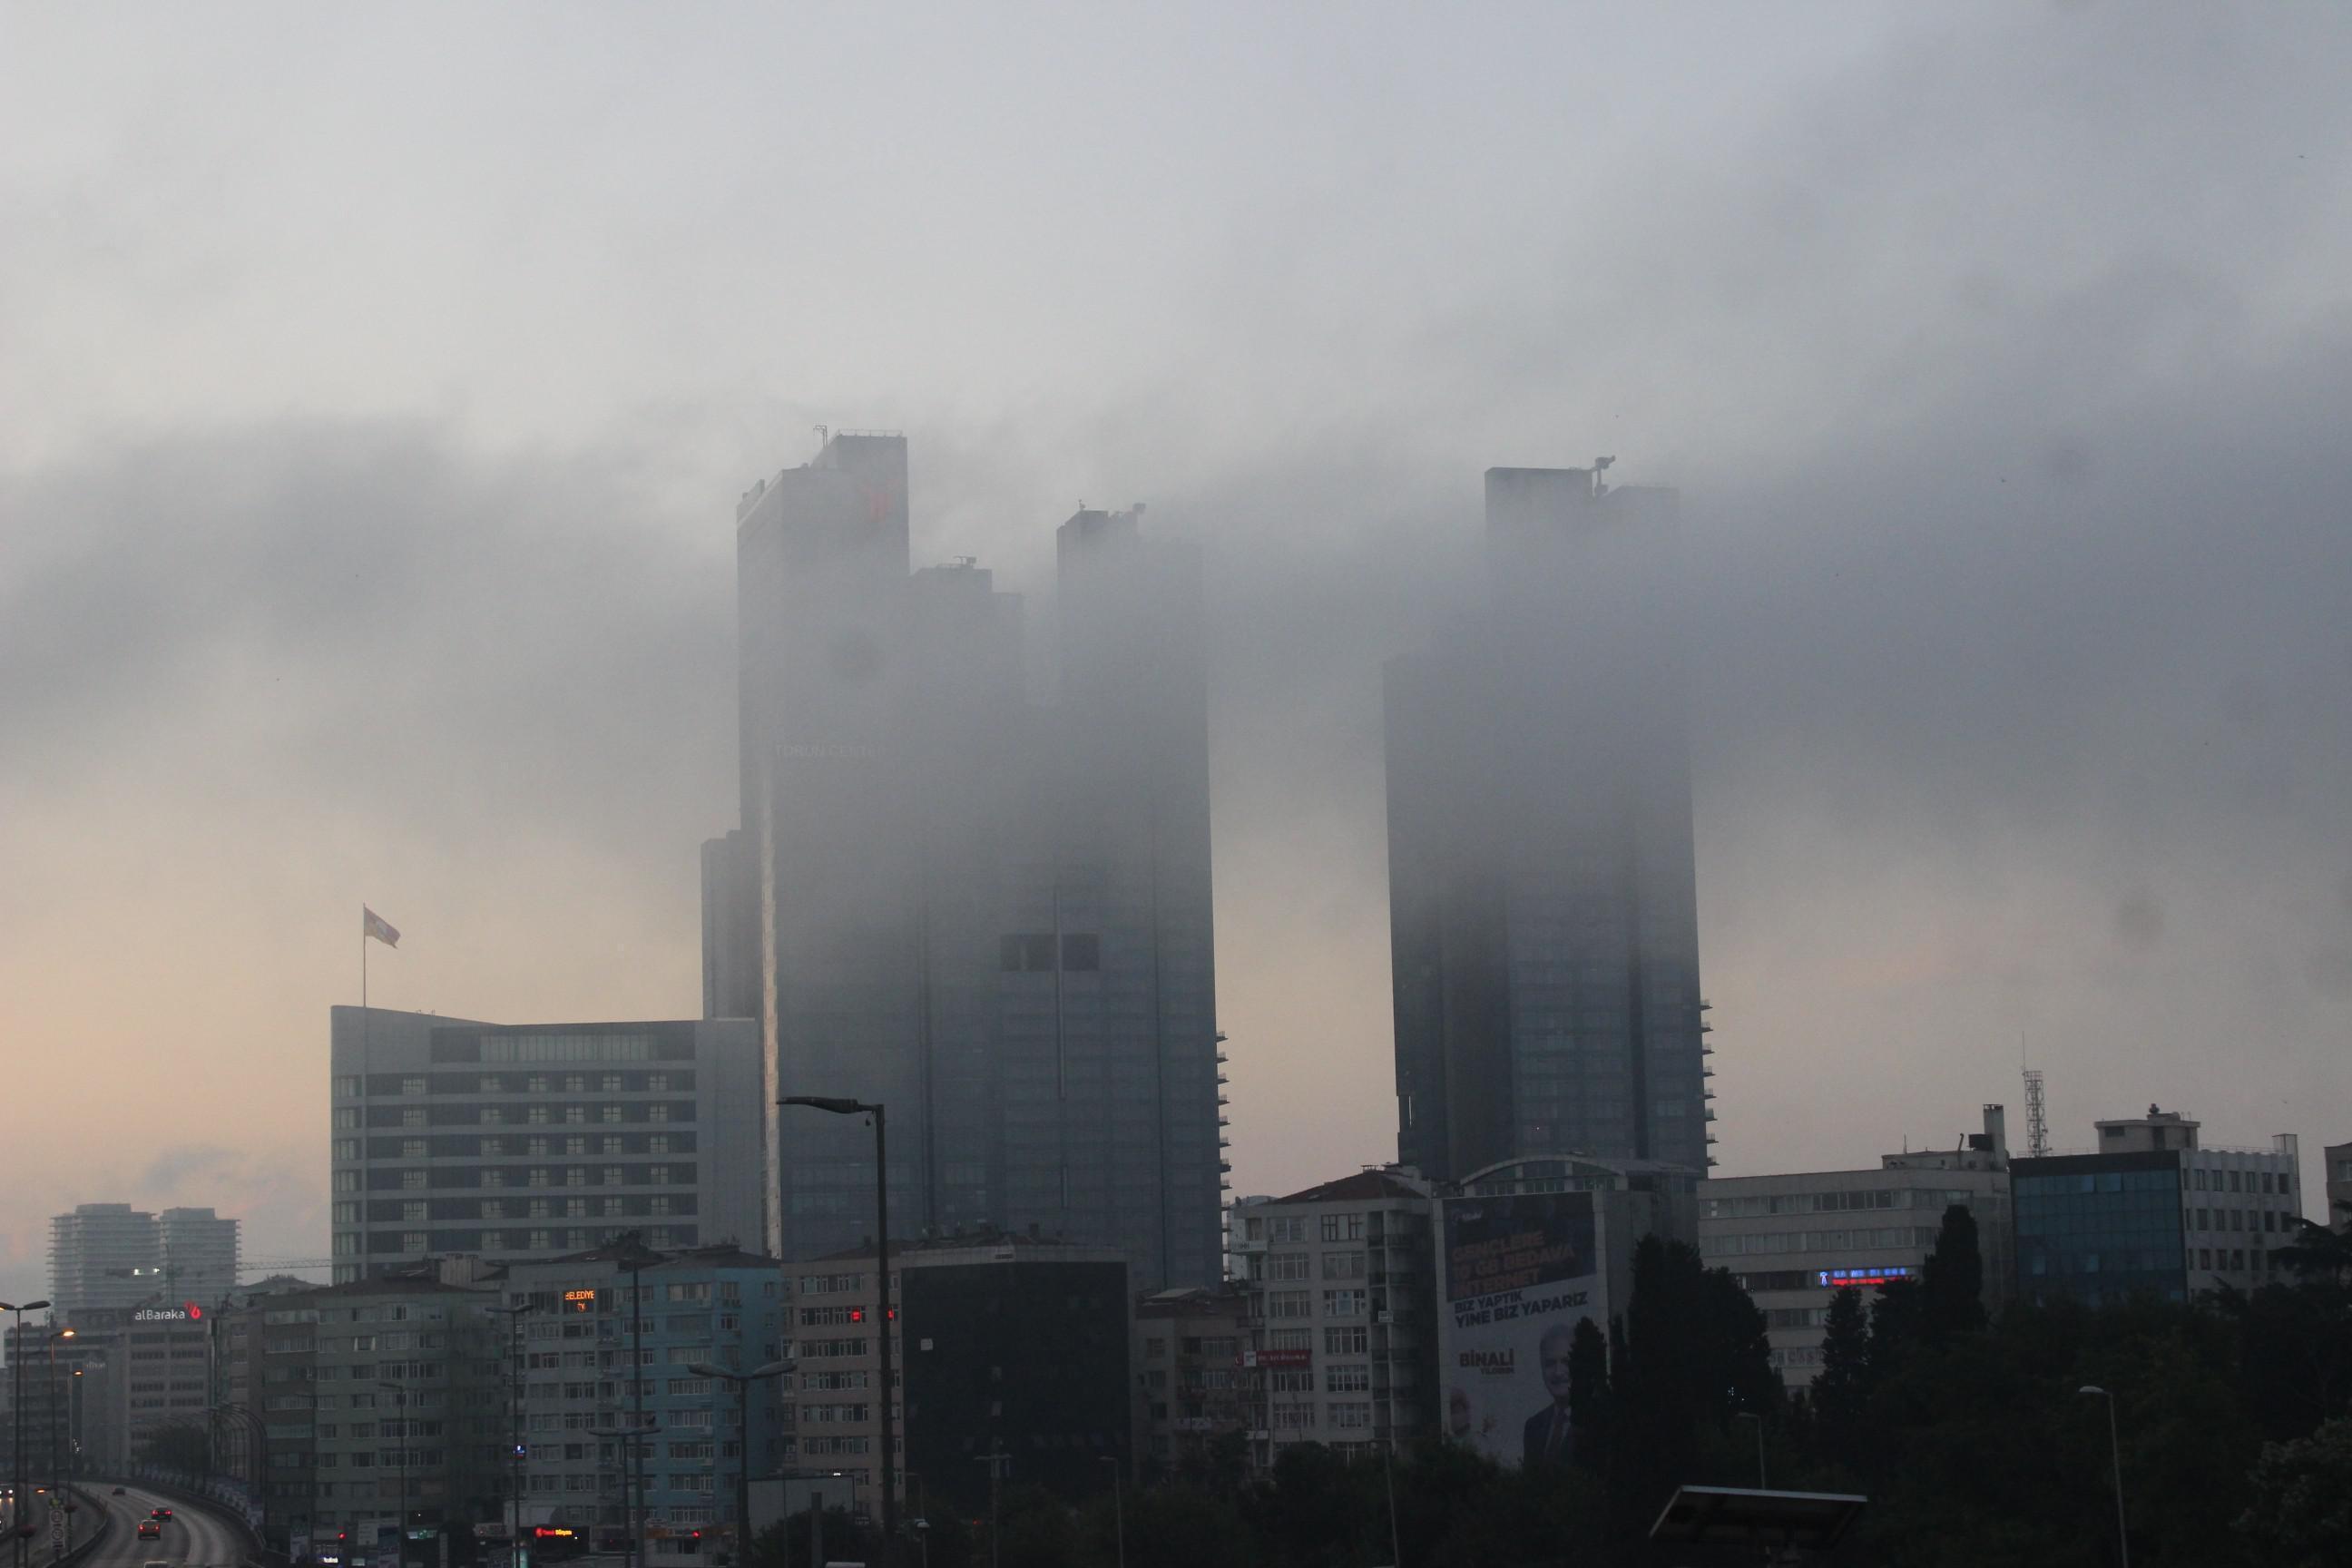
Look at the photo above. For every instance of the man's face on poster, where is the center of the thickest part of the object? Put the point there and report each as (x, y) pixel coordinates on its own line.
(1554, 1355)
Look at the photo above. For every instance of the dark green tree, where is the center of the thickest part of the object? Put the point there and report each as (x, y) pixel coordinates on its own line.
(1953, 1287)
(1588, 1392)
(2301, 1514)
(1842, 1388)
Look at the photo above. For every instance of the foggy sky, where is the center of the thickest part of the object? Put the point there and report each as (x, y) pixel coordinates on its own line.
(374, 392)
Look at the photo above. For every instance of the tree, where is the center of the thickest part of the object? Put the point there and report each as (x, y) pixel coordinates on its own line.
(1842, 1385)
(1954, 1284)
(2301, 1516)
(1588, 1392)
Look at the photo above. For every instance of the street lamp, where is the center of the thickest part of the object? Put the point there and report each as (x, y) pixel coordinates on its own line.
(58, 1498)
(403, 1520)
(1761, 1483)
(2115, 1450)
(16, 1470)
(1118, 1506)
(514, 1424)
(632, 1552)
(839, 1107)
(743, 1382)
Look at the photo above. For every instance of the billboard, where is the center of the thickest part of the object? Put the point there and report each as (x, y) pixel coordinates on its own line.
(1519, 1273)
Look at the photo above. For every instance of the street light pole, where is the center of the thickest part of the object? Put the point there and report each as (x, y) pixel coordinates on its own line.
(882, 1269)
(17, 1453)
(1761, 1483)
(743, 1381)
(2115, 1450)
(403, 1520)
(514, 1428)
(1118, 1507)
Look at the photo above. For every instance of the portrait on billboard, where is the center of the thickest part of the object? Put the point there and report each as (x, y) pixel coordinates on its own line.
(1519, 1272)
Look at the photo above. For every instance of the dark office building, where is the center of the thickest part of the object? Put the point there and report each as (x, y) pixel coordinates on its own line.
(989, 913)
(1003, 1344)
(1543, 902)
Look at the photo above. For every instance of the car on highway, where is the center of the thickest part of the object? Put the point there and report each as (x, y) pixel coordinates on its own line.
(159, 1562)
(150, 1529)
(163, 1513)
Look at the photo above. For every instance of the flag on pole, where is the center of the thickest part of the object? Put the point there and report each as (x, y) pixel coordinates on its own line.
(372, 924)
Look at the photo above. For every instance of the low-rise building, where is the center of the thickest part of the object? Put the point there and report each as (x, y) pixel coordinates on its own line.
(1007, 1346)
(2153, 1211)
(1343, 1313)
(571, 1320)
(1794, 1239)
(1194, 1385)
(2338, 1168)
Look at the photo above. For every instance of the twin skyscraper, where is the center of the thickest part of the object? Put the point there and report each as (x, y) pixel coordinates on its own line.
(979, 893)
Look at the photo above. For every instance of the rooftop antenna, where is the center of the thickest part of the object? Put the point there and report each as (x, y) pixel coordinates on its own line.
(2037, 1123)
(823, 435)
(1601, 466)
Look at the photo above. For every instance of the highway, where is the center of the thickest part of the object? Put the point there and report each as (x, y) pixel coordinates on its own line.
(192, 1537)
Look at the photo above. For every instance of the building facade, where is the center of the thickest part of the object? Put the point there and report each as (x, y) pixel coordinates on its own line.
(517, 1141)
(2338, 1166)
(384, 1402)
(990, 914)
(1010, 1346)
(2154, 1212)
(1342, 1314)
(1195, 1390)
(1795, 1239)
(1542, 894)
(576, 1398)
(103, 1257)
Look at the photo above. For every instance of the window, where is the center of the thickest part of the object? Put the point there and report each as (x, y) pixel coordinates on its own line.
(608, 1113)
(1029, 954)
(575, 1145)
(1289, 1304)
(1349, 1416)
(412, 1086)
(1347, 1342)
(347, 1087)
(1298, 1379)
(412, 1181)
(1331, 1227)
(575, 1113)
(1286, 1266)
(412, 1148)
(1343, 1303)
(1343, 1265)
(610, 1083)
(347, 1118)
(536, 1116)
(657, 1112)
(1081, 952)
(1347, 1379)
(345, 1149)
(411, 1115)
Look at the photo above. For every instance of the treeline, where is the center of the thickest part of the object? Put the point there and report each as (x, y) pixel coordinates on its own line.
(1969, 1435)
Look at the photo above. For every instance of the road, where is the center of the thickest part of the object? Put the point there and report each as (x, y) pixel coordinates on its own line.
(192, 1537)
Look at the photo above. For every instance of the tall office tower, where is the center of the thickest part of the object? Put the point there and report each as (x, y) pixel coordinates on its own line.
(1542, 897)
(199, 1250)
(989, 915)
(529, 1141)
(102, 1258)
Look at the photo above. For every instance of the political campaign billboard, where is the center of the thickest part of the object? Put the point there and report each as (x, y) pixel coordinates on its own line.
(1519, 1273)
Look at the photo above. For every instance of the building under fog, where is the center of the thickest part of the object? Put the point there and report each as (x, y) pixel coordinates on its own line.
(1542, 901)
(530, 1140)
(988, 913)
(111, 1257)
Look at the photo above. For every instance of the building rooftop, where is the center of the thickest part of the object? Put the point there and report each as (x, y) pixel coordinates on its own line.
(1365, 1186)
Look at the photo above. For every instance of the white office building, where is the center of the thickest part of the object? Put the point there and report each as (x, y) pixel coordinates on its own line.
(520, 1142)
(1795, 1239)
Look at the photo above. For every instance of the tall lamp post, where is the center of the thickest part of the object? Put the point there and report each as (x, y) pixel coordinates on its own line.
(59, 1498)
(1117, 1507)
(632, 1549)
(2115, 1451)
(514, 1426)
(1761, 1483)
(882, 1270)
(403, 1520)
(743, 1382)
(17, 1469)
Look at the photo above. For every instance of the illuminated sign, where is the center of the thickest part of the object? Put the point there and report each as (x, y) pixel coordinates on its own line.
(1284, 1358)
(1842, 1279)
(185, 1313)
(580, 1301)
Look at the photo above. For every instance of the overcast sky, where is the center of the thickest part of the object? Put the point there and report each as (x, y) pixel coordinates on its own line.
(375, 388)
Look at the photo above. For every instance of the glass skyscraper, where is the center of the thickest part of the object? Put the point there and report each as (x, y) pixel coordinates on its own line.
(989, 913)
(1542, 896)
